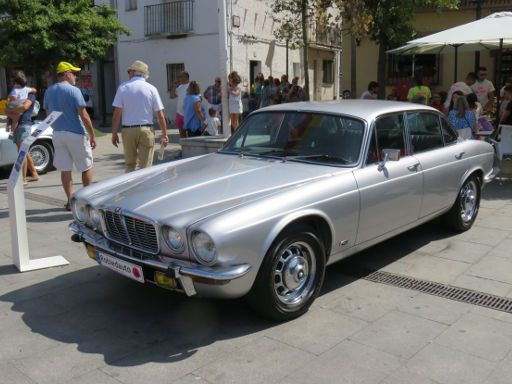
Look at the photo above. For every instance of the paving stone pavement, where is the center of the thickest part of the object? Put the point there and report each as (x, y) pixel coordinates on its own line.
(84, 324)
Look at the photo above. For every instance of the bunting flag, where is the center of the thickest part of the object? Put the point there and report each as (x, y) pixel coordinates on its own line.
(264, 21)
(255, 20)
(245, 16)
(272, 28)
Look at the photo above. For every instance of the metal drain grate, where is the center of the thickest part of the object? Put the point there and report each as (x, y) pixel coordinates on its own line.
(442, 290)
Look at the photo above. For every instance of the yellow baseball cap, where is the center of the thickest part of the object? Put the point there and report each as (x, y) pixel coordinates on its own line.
(64, 66)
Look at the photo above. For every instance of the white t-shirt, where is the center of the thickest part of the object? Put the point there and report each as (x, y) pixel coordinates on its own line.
(21, 94)
(213, 126)
(482, 89)
(458, 86)
(181, 92)
(139, 101)
(368, 96)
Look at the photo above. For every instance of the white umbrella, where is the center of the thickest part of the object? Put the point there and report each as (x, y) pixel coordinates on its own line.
(491, 32)
(487, 32)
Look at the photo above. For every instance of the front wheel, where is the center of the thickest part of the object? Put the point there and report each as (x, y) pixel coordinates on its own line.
(465, 210)
(42, 155)
(291, 275)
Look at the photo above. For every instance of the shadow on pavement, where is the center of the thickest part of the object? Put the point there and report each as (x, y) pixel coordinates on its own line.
(132, 324)
(49, 215)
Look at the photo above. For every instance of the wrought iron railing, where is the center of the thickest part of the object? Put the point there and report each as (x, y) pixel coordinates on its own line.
(325, 35)
(172, 18)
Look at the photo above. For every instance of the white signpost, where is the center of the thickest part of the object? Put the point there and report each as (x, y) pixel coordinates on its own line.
(17, 218)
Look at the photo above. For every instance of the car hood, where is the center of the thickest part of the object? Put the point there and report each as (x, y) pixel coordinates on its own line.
(185, 192)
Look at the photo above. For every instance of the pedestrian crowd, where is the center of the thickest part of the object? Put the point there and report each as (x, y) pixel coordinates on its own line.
(468, 104)
(137, 103)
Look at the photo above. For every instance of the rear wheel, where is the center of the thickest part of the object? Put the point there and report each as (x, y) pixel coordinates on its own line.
(291, 275)
(42, 154)
(465, 210)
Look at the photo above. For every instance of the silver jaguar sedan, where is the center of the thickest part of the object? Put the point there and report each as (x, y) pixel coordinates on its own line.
(297, 187)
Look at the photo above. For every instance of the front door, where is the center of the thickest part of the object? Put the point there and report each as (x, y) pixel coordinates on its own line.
(390, 197)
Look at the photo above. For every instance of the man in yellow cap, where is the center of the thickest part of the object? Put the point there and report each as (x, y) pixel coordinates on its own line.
(73, 133)
(136, 103)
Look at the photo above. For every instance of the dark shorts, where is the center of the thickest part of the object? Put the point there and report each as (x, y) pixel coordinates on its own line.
(21, 133)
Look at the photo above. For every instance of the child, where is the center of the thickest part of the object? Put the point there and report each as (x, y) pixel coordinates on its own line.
(18, 96)
(212, 128)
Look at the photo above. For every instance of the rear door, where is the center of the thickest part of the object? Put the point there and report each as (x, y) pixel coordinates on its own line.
(434, 143)
(391, 197)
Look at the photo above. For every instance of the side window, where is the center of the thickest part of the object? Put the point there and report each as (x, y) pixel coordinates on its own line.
(449, 134)
(425, 131)
(388, 134)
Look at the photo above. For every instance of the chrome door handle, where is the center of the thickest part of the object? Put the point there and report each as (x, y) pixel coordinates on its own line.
(414, 167)
(459, 156)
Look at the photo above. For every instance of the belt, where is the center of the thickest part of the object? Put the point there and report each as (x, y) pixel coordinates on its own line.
(138, 125)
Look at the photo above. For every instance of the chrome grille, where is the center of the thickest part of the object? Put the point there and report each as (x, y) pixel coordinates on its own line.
(130, 231)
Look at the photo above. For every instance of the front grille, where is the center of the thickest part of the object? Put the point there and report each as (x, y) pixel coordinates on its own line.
(130, 231)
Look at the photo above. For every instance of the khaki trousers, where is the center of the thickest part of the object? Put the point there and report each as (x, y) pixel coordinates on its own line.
(138, 146)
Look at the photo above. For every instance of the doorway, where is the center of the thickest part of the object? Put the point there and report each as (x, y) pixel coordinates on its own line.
(254, 69)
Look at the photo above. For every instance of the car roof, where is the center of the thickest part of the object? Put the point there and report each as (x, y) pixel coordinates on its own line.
(363, 109)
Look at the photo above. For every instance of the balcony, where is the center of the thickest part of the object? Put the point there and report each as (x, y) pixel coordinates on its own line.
(325, 36)
(171, 19)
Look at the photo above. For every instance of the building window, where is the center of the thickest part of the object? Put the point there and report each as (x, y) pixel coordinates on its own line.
(131, 5)
(173, 70)
(400, 68)
(328, 71)
(113, 4)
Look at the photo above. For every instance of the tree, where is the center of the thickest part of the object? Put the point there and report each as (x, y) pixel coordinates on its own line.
(37, 34)
(387, 22)
(293, 18)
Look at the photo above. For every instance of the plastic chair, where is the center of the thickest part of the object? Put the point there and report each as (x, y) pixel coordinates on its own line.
(503, 144)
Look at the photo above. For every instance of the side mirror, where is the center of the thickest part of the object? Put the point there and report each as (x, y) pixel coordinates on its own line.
(389, 155)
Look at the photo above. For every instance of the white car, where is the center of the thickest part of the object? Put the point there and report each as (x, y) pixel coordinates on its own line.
(41, 150)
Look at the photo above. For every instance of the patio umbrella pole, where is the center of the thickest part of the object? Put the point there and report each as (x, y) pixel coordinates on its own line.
(456, 63)
(498, 83)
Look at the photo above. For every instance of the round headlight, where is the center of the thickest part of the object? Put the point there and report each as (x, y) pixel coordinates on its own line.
(203, 247)
(79, 210)
(173, 239)
(94, 217)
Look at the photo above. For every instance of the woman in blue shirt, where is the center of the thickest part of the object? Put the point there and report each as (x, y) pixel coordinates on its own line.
(195, 119)
(462, 118)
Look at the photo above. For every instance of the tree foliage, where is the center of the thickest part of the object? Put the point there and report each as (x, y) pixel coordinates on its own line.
(36, 34)
(294, 18)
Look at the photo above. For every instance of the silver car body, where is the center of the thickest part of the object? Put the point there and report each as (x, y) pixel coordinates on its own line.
(243, 203)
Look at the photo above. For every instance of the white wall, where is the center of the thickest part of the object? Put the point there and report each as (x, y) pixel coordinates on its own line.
(253, 40)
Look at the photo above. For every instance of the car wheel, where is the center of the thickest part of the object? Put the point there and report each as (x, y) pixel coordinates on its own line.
(463, 213)
(291, 275)
(42, 155)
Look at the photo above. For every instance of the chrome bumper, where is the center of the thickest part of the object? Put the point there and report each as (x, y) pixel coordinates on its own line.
(180, 270)
(491, 175)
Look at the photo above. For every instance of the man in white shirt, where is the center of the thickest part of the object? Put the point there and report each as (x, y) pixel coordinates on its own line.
(483, 89)
(462, 86)
(180, 91)
(136, 102)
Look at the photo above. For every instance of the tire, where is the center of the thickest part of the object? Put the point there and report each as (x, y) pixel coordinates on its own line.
(42, 154)
(463, 214)
(291, 275)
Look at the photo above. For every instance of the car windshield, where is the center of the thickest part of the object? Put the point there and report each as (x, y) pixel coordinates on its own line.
(299, 136)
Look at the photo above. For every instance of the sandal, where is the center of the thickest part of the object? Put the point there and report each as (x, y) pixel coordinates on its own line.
(33, 178)
(67, 207)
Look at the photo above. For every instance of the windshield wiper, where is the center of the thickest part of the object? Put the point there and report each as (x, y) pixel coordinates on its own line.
(319, 156)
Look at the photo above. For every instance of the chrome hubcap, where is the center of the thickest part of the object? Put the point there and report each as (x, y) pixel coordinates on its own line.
(40, 156)
(294, 273)
(468, 201)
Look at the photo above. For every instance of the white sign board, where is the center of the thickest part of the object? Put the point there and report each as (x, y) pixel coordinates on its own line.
(17, 218)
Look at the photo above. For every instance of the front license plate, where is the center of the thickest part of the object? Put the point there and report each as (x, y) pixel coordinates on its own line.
(125, 268)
